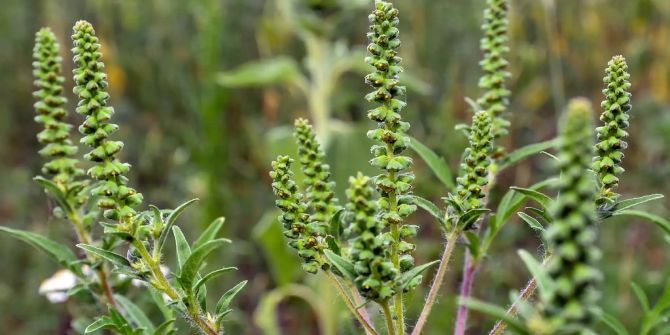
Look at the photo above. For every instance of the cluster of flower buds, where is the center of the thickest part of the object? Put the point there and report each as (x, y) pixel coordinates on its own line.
(611, 135)
(114, 195)
(395, 184)
(572, 235)
(494, 65)
(473, 179)
(294, 217)
(319, 189)
(55, 136)
(369, 247)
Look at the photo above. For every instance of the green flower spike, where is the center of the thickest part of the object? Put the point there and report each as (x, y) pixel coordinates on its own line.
(116, 198)
(294, 217)
(494, 65)
(610, 146)
(395, 185)
(50, 112)
(471, 191)
(375, 273)
(319, 192)
(572, 236)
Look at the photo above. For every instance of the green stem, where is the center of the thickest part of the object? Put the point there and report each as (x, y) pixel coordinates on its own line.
(84, 237)
(437, 282)
(388, 316)
(369, 329)
(164, 285)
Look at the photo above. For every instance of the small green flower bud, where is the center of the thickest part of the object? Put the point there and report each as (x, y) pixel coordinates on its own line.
(612, 134)
(572, 235)
(116, 198)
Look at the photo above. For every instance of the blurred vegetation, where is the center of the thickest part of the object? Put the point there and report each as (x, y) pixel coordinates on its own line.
(202, 126)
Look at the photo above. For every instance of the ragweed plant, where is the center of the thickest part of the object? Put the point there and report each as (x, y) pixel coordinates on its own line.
(374, 253)
(142, 233)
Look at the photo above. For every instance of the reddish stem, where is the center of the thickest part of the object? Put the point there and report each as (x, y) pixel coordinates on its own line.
(466, 290)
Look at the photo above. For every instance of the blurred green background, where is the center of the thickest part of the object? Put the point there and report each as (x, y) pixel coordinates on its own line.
(200, 120)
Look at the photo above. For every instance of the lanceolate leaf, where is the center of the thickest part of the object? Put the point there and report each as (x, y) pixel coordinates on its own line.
(429, 207)
(406, 277)
(134, 313)
(536, 269)
(101, 323)
(496, 312)
(192, 264)
(336, 224)
(113, 257)
(655, 219)
(341, 264)
(541, 198)
(183, 249)
(224, 302)
(62, 254)
(209, 233)
(526, 151)
(55, 192)
(258, 73)
(531, 221)
(169, 222)
(210, 276)
(628, 203)
(435, 162)
(611, 322)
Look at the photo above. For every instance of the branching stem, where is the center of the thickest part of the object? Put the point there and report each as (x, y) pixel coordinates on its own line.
(369, 329)
(389, 317)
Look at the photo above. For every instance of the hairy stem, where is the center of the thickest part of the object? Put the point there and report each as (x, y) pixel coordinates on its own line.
(469, 268)
(524, 295)
(437, 282)
(164, 285)
(358, 300)
(84, 237)
(389, 317)
(369, 329)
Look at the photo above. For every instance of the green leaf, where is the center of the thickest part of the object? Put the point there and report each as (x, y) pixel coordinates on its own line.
(526, 151)
(191, 266)
(496, 312)
(209, 233)
(471, 216)
(531, 221)
(260, 73)
(641, 297)
(165, 328)
(332, 244)
(134, 313)
(537, 270)
(628, 203)
(541, 213)
(345, 267)
(406, 277)
(473, 243)
(335, 226)
(210, 276)
(434, 162)
(611, 322)
(101, 323)
(112, 257)
(429, 207)
(226, 298)
(655, 219)
(62, 254)
(541, 198)
(169, 222)
(183, 249)
(55, 193)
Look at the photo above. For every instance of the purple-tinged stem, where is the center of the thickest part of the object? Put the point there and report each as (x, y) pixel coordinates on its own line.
(466, 290)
